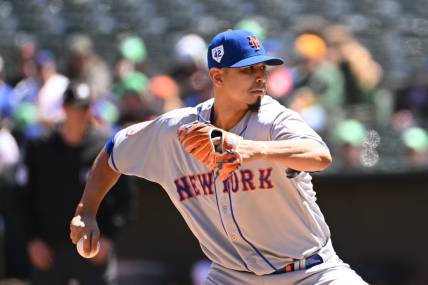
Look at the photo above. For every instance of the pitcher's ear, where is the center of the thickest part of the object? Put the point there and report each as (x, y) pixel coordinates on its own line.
(216, 76)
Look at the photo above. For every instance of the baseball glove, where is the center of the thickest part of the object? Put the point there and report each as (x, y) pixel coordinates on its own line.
(214, 147)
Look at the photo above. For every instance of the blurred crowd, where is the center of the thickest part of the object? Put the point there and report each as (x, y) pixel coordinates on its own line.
(330, 78)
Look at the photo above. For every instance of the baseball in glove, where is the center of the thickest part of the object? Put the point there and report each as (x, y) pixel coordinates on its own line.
(214, 147)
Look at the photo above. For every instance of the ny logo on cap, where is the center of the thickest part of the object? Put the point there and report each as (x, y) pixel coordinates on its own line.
(217, 53)
(254, 42)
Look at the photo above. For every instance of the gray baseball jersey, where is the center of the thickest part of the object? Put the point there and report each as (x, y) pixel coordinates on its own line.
(259, 219)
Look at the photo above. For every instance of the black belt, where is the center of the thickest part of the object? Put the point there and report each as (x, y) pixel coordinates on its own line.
(301, 264)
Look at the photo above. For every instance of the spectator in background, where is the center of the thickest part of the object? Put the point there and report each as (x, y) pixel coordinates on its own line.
(129, 69)
(415, 140)
(131, 87)
(9, 151)
(133, 49)
(191, 48)
(318, 83)
(15, 261)
(57, 166)
(85, 65)
(348, 139)
(165, 91)
(6, 105)
(27, 65)
(132, 96)
(135, 108)
(189, 69)
(410, 119)
(26, 83)
(13, 245)
(362, 74)
(53, 85)
(413, 97)
(127, 77)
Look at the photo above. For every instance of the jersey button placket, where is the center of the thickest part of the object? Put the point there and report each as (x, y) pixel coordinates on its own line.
(227, 211)
(223, 208)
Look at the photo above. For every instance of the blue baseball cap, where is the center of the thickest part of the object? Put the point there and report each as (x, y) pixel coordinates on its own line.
(238, 48)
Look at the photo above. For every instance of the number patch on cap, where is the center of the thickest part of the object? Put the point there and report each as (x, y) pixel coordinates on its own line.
(217, 53)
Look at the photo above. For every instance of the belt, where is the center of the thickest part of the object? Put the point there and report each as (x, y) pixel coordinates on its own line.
(301, 264)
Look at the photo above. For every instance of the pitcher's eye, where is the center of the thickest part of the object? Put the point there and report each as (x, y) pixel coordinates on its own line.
(248, 69)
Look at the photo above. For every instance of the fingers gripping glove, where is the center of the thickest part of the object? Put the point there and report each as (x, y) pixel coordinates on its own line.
(214, 147)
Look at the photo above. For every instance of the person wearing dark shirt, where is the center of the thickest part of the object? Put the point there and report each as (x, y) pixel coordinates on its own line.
(57, 166)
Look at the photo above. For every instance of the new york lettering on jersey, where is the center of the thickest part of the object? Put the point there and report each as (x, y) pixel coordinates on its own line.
(244, 180)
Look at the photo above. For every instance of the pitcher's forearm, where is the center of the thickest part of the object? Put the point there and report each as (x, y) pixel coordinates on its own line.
(302, 155)
(101, 179)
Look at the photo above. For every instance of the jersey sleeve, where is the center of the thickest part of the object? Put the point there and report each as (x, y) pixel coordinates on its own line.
(138, 150)
(290, 125)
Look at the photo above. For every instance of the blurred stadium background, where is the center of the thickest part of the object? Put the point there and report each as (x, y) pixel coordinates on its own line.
(357, 71)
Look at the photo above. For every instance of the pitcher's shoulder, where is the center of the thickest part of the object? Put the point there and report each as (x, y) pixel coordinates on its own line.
(178, 117)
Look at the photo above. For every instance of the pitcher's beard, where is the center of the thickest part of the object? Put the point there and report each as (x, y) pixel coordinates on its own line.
(255, 107)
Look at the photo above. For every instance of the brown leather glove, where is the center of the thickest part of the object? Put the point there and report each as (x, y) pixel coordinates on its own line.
(214, 147)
